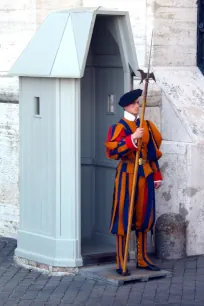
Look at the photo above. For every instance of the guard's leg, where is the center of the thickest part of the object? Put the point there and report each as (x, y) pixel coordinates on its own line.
(143, 261)
(120, 253)
(145, 217)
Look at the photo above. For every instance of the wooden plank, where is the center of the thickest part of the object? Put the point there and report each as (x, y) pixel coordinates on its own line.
(108, 274)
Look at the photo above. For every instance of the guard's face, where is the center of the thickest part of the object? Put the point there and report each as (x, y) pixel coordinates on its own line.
(134, 107)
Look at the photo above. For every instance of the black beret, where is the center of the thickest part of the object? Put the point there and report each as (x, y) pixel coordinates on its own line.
(129, 97)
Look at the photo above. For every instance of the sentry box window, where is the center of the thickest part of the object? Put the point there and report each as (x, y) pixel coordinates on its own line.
(37, 106)
(111, 105)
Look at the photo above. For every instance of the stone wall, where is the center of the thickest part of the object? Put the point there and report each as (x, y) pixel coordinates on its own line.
(9, 169)
(183, 147)
(175, 28)
(18, 22)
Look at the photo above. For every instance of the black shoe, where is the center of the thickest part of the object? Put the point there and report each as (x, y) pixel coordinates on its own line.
(120, 272)
(150, 268)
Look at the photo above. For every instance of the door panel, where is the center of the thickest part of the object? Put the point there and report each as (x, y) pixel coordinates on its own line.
(109, 81)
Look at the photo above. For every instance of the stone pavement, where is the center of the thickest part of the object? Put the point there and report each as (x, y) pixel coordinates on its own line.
(25, 287)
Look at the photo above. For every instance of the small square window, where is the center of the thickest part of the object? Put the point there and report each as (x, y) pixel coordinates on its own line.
(111, 104)
(37, 106)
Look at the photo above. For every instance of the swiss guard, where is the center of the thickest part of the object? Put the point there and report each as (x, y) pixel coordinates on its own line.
(121, 145)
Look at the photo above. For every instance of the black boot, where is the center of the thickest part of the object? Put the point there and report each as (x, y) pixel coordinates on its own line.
(120, 272)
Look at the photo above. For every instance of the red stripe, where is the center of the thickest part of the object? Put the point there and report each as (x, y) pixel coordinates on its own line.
(108, 139)
(129, 143)
(157, 176)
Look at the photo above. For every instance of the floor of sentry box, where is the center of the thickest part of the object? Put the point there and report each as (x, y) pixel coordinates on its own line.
(107, 273)
(96, 252)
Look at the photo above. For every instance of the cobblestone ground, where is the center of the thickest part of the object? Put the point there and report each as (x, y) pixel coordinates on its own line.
(25, 287)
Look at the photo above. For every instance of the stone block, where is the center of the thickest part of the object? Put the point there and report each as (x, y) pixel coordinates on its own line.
(173, 32)
(170, 236)
(177, 3)
(165, 55)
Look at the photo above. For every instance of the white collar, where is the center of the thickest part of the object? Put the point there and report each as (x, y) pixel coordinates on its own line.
(129, 116)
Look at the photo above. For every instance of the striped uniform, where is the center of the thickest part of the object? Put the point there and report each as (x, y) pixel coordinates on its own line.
(119, 146)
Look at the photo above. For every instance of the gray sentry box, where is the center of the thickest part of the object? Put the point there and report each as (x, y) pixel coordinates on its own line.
(72, 74)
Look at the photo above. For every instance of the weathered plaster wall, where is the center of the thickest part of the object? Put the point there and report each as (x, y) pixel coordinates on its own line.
(9, 169)
(175, 26)
(183, 147)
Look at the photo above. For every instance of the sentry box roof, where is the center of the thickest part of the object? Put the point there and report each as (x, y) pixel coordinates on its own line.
(60, 46)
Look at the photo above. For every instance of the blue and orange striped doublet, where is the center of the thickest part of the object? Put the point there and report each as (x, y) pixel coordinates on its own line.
(119, 146)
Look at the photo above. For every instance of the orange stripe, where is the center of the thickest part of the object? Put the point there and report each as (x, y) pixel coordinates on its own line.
(121, 205)
(145, 137)
(150, 221)
(114, 156)
(116, 195)
(154, 167)
(140, 255)
(117, 131)
(156, 133)
(132, 125)
(122, 148)
(111, 145)
(140, 202)
(158, 139)
(145, 249)
(130, 185)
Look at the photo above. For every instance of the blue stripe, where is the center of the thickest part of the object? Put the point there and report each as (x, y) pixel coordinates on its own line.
(120, 154)
(129, 131)
(123, 153)
(157, 164)
(141, 171)
(124, 168)
(150, 200)
(113, 130)
(151, 151)
(152, 134)
(126, 205)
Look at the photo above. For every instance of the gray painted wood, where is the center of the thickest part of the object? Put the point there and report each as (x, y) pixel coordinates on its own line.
(38, 57)
(101, 79)
(50, 226)
(113, 83)
(87, 153)
(37, 173)
(82, 34)
(66, 180)
(67, 58)
(60, 46)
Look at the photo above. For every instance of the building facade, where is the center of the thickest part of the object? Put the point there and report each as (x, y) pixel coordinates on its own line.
(175, 101)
